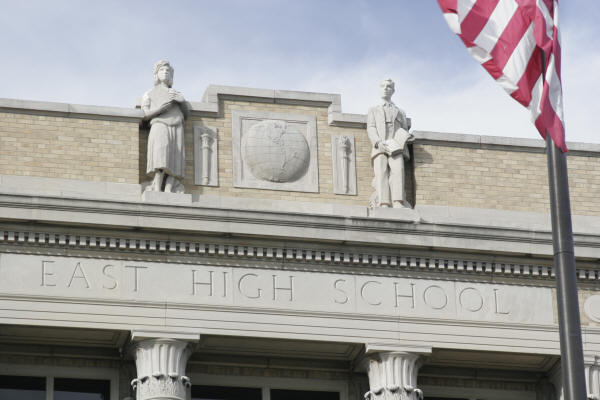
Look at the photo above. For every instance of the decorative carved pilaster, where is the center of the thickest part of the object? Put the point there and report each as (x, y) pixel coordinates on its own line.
(592, 378)
(344, 164)
(161, 369)
(344, 160)
(393, 376)
(205, 156)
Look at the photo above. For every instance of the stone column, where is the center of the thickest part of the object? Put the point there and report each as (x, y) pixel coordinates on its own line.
(160, 367)
(592, 377)
(393, 376)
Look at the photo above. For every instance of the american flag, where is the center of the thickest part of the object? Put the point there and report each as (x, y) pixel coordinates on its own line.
(518, 43)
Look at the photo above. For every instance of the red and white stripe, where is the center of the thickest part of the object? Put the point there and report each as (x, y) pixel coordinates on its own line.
(510, 38)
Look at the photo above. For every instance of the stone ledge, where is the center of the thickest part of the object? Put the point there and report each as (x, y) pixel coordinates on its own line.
(210, 105)
(450, 234)
(537, 145)
(70, 110)
(332, 101)
(480, 218)
(166, 197)
(69, 188)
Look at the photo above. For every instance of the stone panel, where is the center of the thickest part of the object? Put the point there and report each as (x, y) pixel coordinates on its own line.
(298, 291)
(275, 151)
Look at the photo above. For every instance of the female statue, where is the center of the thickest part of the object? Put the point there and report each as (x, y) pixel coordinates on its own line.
(166, 109)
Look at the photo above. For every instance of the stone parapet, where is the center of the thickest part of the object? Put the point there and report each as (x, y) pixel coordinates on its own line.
(106, 144)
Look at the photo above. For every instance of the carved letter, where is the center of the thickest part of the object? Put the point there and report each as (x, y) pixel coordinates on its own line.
(439, 306)
(224, 283)
(288, 289)
(258, 291)
(471, 306)
(362, 292)
(82, 276)
(411, 295)
(209, 283)
(135, 275)
(497, 305)
(106, 274)
(46, 273)
(335, 286)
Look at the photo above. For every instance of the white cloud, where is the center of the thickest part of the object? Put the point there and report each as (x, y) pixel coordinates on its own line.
(470, 102)
(110, 64)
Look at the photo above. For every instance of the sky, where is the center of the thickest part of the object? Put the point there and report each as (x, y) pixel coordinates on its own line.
(102, 53)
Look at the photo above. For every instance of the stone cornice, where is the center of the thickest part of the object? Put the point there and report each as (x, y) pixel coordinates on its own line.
(71, 110)
(169, 247)
(333, 102)
(404, 228)
(532, 145)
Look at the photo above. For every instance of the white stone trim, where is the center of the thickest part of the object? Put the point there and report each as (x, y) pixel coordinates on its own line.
(438, 228)
(139, 335)
(298, 256)
(70, 110)
(485, 141)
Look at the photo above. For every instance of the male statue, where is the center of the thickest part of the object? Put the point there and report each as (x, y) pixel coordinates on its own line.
(166, 109)
(387, 127)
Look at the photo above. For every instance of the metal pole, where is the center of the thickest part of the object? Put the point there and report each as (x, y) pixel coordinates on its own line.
(569, 324)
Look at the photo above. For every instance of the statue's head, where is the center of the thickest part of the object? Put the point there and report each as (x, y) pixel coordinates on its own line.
(387, 87)
(163, 72)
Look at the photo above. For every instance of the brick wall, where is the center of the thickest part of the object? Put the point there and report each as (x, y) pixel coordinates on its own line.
(500, 178)
(70, 148)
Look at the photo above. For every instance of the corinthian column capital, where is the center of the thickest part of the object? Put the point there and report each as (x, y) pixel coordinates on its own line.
(393, 376)
(160, 367)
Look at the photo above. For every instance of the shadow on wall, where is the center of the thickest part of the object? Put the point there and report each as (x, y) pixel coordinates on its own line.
(144, 131)
(412, 186)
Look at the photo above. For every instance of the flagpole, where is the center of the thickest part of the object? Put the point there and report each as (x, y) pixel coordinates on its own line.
(569, 324)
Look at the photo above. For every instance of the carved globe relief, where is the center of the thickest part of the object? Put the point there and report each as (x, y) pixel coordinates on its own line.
(276, 152)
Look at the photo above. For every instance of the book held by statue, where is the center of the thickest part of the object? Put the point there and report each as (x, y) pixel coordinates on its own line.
(392, 148)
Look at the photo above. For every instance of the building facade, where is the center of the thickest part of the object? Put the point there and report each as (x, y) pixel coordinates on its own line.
(272, 275)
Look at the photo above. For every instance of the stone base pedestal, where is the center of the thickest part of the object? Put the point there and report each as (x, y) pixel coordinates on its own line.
(166, 197)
